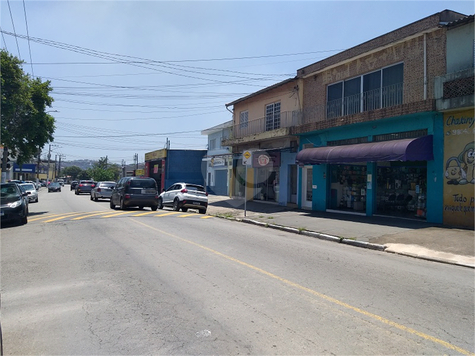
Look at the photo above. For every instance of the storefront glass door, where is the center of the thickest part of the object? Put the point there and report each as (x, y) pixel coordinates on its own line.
(307, 191)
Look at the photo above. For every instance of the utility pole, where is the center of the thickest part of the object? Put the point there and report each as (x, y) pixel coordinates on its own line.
(4, 164)
(49, 158)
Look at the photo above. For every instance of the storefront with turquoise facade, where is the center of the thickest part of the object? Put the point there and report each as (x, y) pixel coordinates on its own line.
(392, 166)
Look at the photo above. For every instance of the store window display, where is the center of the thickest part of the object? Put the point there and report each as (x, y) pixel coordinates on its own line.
(348, 187)
(402, 190)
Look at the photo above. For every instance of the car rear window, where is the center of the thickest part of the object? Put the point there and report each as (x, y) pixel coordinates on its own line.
(195, 187)
(112, 185)
(143, 183)
(25, 187)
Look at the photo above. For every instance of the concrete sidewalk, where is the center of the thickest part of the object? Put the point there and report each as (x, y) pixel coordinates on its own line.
(416, 238)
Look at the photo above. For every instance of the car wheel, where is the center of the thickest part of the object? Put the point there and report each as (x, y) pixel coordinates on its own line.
(36, 200)
(24, 220)
(176, 205)
(140, 207)
(184, 210)
(154, 207)
(122, 207)
(202, 211)
(96, 198)
(76, 192)
(160, 203)
(90, 197)
(112, 205)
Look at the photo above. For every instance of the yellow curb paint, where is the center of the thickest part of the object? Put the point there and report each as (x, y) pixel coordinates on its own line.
(321, 295)
(184, 216)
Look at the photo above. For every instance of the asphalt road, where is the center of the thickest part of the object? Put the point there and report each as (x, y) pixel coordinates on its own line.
(80, 278)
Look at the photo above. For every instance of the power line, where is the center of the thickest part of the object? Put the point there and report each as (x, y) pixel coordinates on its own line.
(14, 30)
(28, 34)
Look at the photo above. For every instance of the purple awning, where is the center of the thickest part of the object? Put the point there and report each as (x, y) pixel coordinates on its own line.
(412, 149)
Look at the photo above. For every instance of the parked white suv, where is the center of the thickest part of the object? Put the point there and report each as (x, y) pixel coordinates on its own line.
(184, 196)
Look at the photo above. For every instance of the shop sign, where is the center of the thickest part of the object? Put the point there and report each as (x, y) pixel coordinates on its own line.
(26, 168)
(459, 169)
(266, 159)
(150, 156)
(139, 172)
(218, 161)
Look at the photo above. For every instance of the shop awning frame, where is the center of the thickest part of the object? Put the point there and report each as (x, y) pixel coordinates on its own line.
(412, 149)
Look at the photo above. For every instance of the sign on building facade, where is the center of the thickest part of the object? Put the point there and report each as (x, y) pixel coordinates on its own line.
(459, 170)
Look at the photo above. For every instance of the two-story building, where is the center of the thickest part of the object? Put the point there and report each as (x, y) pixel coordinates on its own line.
(261, 127)
(372, 139)
(219, 159)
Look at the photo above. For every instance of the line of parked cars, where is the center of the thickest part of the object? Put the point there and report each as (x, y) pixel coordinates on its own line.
(143, 192)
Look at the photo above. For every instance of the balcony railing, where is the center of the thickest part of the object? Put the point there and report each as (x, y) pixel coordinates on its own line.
(269, 123)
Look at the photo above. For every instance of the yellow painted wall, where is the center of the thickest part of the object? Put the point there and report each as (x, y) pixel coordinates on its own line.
(459, 160)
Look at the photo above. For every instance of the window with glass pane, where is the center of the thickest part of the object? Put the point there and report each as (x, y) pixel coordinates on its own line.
(243, 119)
(212, 144)
(352, 97)
(334, 100)
(272, 116)
(393, 78)
(372, 91)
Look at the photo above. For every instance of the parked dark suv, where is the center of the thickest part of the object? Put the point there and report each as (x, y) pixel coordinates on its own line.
(135, 191)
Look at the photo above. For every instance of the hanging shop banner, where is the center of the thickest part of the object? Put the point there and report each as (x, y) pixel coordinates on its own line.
(459, 161)
(266, 159)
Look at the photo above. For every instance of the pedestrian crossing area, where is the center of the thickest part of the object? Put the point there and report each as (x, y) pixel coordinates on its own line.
(110, 214)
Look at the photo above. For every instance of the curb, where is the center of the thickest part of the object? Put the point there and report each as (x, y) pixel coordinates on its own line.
(317, 235)
(345, 241)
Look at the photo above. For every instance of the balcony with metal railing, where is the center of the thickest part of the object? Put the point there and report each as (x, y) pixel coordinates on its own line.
(371, 105)
(275, 125)
(455, 90)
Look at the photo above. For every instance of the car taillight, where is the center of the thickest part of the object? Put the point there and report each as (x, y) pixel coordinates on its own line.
(93, 185)
(127, 196)
(98, 189)
(184, 191)
(81, 185)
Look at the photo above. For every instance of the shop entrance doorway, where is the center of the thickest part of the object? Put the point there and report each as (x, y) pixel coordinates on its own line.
(307, 191)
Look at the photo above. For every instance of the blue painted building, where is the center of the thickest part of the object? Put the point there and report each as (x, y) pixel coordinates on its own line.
(168, 166)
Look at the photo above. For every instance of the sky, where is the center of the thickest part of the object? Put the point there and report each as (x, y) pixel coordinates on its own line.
(129, 75)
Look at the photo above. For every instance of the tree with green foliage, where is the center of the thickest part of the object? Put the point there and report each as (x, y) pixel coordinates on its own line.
(72, 172)
(104, 171)
(25, 125)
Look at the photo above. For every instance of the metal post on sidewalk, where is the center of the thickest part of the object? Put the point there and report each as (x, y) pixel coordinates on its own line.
(245, 192)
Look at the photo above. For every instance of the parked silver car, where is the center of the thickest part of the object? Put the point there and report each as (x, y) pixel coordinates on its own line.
(184, 196)
(30, 188)
(102, 190)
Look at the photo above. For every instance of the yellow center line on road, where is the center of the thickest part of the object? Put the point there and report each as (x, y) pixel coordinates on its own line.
(88, 216)
(166, 214)
(63, 217)
(117, 214)
(319, 295)
(146, 213)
